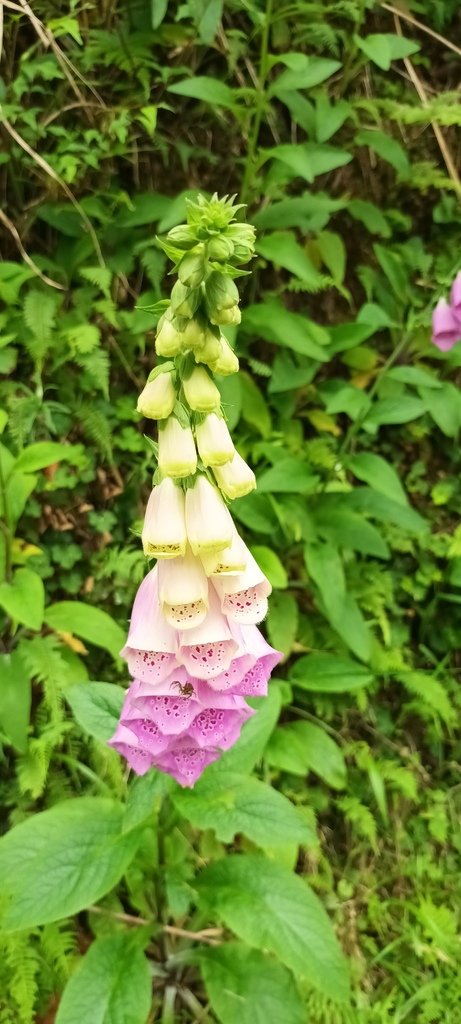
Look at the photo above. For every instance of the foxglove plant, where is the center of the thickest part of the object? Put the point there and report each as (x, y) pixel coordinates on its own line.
(193, 648)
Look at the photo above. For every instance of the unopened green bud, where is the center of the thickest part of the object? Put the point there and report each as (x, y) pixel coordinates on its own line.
(242, 253)
(220, 248)
(221, 292)
(227, 361)
(226, 316)
(209, 351)
(193, 335)
(168, 341)
(191, 269)
(182, 237)
(184, 301)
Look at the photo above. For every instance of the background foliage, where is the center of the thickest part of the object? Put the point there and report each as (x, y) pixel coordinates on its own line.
(335, 123)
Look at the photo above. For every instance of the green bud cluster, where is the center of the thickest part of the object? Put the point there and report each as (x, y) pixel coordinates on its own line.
(207, 252)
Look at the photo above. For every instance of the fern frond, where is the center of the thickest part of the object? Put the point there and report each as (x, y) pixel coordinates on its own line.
(46, 664)
(96, 364)
(23, 963)
(94, 425)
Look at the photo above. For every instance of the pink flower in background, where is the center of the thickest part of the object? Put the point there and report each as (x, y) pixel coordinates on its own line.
(446, 329)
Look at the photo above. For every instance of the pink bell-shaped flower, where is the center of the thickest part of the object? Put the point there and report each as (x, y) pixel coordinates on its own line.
(446, 330)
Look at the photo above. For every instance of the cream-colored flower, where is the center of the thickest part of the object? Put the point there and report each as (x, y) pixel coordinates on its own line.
(164, 530)
(231, 561)
(209, 523)
(214, 443)
(177, 456)
(235, 478)
(183, 591)
(168, 341)
(158, 397)
(201, 392)
(227, 361)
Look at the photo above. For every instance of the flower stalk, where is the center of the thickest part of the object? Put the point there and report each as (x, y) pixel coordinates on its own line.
(193, 648)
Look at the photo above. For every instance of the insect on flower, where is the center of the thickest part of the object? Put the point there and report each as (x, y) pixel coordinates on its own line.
(185, 689)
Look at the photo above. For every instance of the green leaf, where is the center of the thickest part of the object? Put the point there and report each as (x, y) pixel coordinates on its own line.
(370, 215)
(379, 474)
(254, 406)
(273, 322)
(394, 410)
(231, 803)
(158, 10)
(90, 623)
(44, 453)
(111, 984)
(333, 253)
(15, 699)
(208, 24)
(245, 986)
(256, 512)
(309, 71)
(231, 398)
(282, 249)
(382, 48)
(444, 406)
(329, 116)
(271, 908)
(310, 159)
(290, 475)
(24, 598)
(271, 565)
(96, 707)
(300, 747)
(203, 87)
(61, 860)
(282, 621)
(329, 673)
(347, 529)
(387, 148)
(366, 500)
(309, 212)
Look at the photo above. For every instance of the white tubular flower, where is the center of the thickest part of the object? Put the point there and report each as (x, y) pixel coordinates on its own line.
(209, 523)
(214, 443)
(169, 340)
(177, 456)
(227, 361)
(158, 397)
(164, 531)
(229, 562)
(183, 591)
(244, 598)
(201, 393)
(235, 478)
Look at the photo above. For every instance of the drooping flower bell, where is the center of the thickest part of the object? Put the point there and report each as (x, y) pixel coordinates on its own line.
(193, 648)
(446, 319)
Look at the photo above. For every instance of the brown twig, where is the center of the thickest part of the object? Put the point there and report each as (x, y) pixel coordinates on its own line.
(448, 159)
(210, 935)
(25, 255)
(40, 160)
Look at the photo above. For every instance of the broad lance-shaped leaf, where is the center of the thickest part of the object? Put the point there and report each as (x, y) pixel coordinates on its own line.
(275, 910)
(231, 803)
(329, 673)
(96, 707)
(92, 624)
(24, 598)
(56, 863)
(111, 985)
(245, 986)
(300, 747)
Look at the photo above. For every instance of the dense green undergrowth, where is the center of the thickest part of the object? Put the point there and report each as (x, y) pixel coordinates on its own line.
(336, 123)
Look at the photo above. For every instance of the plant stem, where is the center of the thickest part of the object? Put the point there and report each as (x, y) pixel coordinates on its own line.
(250, 164)
(5, 523)
(355, 427)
